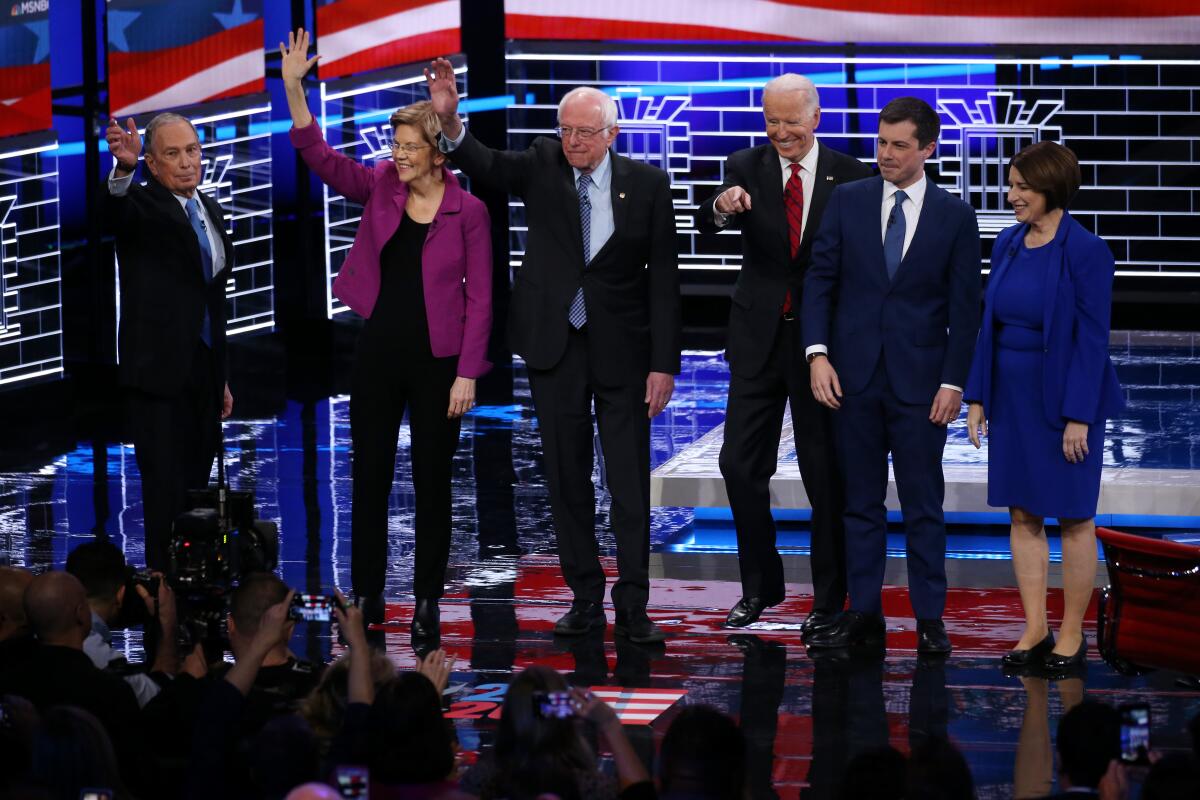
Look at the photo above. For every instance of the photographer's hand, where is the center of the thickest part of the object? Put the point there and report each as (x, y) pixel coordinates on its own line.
(361, 688)
(437, 667)
(162, 608)
(630, 769)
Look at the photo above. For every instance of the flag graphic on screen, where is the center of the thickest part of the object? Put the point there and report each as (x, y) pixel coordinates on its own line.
(168, 53)
(1056, 22)
(361, 35)
(24, 66)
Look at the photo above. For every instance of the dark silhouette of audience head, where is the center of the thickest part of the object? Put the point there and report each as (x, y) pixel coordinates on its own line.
(282, 755)
(257, 592)
(527, 741)
(72, 751)
(19, 722)
(937, 771)
(703, 755)
(100, 567)
(1088, 738)
(57, 608)
(325, 706)
(13, 622)
(409, 741)
(877, 773)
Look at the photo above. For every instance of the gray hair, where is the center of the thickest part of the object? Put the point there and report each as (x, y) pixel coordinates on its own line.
(791, 82)
(165, 118)
(605, 103)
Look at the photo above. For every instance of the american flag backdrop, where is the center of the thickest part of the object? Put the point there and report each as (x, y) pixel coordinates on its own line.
(168, 53)
(361, 35)
(25, 67)
(1052, 22)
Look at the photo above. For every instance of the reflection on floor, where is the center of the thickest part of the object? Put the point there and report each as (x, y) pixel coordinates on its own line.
(804, 718)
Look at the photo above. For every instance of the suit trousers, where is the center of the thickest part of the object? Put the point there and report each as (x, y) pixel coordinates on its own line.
(562, 398)
(749, 456)
(870, 425)
(174, 442)
(381, 390)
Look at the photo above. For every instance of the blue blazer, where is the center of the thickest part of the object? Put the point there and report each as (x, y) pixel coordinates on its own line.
(923, 322)
(1078, 379)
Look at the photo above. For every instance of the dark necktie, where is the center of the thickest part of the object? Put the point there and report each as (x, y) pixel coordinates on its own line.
(893, 237)
(577, 316)
(793, 201)
(206, 261)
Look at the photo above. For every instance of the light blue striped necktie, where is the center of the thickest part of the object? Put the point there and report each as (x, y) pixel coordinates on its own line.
(206, 260)
(893, 237)
(577, 316)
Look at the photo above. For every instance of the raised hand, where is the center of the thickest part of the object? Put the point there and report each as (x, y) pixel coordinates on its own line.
(124, 144)
(443, 90)
(295, 62)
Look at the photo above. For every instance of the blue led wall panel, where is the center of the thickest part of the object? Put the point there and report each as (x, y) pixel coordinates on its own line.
(354, 114)
(30, 271)
(1132, 122)
(236, 143)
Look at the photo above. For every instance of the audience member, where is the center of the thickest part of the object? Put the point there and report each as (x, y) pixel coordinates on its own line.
(1088, 739)
(877, 773)
(19, 723)
(325, 706)
(100, 567)
(314, 791)
(936, 770)
(71, 752)
(1175, 776)
(703, 755)
(59, 673)
(16, 640)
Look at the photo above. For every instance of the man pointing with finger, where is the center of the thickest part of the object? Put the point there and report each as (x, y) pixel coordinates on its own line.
(595, 314)
(175, 256)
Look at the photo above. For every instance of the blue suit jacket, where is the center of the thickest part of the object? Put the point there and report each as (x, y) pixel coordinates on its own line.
(1078, 379)
(924, 322)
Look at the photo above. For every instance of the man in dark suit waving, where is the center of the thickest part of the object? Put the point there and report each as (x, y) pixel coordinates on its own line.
(890, 316)
(775, 194)
(595, 315)
(174, 257)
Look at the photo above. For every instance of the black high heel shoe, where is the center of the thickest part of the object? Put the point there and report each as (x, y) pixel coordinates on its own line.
(1034, 655)
(1055, 664)
(426, 620)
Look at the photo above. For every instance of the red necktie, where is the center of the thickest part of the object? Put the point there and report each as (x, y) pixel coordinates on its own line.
(793, 201)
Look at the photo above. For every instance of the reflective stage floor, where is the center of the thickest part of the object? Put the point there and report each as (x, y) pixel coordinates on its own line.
(804, 718)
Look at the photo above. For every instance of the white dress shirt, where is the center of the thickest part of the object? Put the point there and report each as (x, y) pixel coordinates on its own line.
(912, 215)
(808, 181)
(118, 186)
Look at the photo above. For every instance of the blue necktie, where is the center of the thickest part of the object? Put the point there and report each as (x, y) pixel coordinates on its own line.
(893, 237)
(193, 212)
(577, 316)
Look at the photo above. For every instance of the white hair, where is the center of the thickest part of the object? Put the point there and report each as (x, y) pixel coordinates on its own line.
(791, 82)
(604, 103)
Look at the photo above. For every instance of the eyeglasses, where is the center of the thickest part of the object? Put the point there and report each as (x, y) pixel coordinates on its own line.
(407, 149)
(583, 133)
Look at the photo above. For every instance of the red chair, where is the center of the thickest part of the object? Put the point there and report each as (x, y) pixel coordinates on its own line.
(1149, 615)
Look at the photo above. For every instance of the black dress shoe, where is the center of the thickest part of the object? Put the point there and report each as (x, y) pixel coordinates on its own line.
(851, 629)
(1055, 664)
(373, 608)
(583, 617)
(1034, 655)
(426, 622)
(817, 620)
(747, 611)
(635, 626)
(931, 638)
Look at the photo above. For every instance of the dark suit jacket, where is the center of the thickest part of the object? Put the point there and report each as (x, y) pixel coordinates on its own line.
(163, 293)
(631, 286)
(924, 322)
(768, 270)
(1078, 379)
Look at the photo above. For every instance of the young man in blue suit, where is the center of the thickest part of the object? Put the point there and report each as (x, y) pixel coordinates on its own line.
(890, 314)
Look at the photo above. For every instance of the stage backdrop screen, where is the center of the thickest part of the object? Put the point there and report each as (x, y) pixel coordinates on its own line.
(361, 35)
(165, 53)
(25, 67)
(1053, 22)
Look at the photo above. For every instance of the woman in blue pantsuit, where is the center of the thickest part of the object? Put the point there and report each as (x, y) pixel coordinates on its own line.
(1043, 383)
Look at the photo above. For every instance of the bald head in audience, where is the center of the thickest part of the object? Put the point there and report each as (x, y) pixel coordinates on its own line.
(13, 581)
(57, 608)
(314, 791)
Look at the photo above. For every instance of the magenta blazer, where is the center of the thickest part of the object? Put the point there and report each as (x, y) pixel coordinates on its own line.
(456, 263)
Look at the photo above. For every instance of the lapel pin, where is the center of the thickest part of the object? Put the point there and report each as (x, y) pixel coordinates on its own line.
(621, 195)
(828, 177)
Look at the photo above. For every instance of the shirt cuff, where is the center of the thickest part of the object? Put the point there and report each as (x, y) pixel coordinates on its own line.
(719, 219)
(952, 386)
(448, 145)
(815, 349)
(118, 186)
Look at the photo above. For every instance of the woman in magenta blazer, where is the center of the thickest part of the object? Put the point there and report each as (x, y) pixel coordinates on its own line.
(420, 273)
